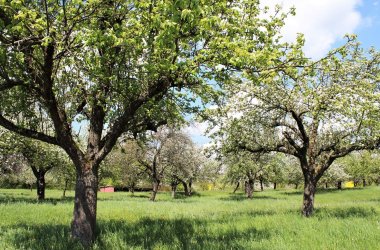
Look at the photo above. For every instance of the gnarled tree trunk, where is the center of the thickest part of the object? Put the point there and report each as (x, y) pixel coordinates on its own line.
(249, 188)
(308, 196)
(86, 190)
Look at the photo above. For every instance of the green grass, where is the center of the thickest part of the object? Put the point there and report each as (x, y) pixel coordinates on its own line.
(348, 219)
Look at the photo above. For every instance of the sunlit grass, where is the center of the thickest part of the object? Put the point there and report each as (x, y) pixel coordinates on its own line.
(348, 219)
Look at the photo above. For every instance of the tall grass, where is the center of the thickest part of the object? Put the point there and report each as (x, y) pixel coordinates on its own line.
(348, 219)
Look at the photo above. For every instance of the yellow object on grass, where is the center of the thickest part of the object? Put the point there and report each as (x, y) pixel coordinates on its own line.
(349, 184)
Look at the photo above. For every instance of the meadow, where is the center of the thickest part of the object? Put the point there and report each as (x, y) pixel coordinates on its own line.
(347, 219)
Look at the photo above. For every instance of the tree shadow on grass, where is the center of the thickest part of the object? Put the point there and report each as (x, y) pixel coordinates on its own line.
(123, 198)
(146, 233)
(5, 198)
(24, 236)
(137, 196)
(243, 197)
(343, 213)
(182, 233)
(322, 191)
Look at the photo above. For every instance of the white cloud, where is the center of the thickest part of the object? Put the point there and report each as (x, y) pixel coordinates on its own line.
(323, 22)
(196, 129)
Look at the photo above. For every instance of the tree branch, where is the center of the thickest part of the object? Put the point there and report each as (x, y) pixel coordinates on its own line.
(27, 132)
(291, 141)
(10, 84)
(301, 127)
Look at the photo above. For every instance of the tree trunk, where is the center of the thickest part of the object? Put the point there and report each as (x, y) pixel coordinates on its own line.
(185, 188)
(174, 189)
(364, 183)
(190, 187)
(274, 185)
(356, 182)
(261, 185)
(339, 185)
(237, 186)
(41, 185)
(308, 197)
(155, 184)
(326, 185)
(65, 188)
(296, 186)
(86, 190)
(132, 189)
(249, 188)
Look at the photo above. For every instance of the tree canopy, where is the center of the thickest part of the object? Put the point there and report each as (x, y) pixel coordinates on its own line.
(318, 113)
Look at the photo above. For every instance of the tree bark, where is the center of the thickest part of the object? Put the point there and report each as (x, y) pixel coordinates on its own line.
(84, 217)
(274, 185)
(237, 186)
(41, 184)
(249, 188)
(185, 187)
(156, 184)
(174, 189)
(308, 196)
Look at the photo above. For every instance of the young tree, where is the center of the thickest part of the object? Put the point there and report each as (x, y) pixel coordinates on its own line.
(318, 113)
(184, 160)
(122, 66)
(245, 167)
(152, 157)
(123, 163)
(40, 157)
(275, 169)
(64, 174)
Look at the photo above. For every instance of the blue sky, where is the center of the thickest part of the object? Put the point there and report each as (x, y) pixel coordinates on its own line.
(324, 23)
(369, 32)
